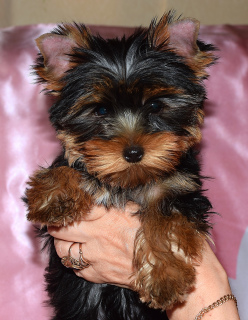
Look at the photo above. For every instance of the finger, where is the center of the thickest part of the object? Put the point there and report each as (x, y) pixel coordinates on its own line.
(66, 248)
(73, 250)
(97, 212)
(102, 219)
(62, 248)
(99, 271)
(71, 233)
(132, 207)
(91, 275)
(74, 231)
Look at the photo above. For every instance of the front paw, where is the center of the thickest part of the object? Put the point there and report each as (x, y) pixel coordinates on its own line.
(163, 259)
(55, 197)
(162, 285)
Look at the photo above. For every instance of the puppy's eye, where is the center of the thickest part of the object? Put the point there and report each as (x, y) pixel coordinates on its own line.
(101, 111)
(155, 107)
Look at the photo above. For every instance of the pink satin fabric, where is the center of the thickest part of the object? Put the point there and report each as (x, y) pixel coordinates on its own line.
(28, 141)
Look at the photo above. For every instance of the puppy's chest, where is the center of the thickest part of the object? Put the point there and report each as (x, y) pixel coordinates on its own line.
(118, 197)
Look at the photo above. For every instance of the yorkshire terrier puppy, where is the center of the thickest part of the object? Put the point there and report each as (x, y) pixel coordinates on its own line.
(128, 114)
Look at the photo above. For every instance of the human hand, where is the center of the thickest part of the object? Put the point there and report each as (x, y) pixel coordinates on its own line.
(108, 242)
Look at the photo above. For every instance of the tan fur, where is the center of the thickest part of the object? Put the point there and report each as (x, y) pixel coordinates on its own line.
(156, 91)
(104, 158)
(166, 250)
(198, 61)
(162, 152)
(72, 149)
(53, 83)
(55, 197)
(159, 37)
(195, 131)
(53, 79)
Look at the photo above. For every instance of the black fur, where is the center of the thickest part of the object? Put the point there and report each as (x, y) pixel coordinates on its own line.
(131, 65)
(75, 298)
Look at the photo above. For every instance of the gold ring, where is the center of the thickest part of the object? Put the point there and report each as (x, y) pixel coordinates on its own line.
(70, 262)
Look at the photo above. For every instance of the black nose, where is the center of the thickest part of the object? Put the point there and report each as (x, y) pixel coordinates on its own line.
(133, 154)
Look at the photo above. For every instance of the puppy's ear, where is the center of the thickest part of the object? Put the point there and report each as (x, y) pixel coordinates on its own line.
(56, 52)
(183, 35)
(180, 36)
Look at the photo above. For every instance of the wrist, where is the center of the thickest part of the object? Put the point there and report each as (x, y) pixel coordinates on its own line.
(211, 284)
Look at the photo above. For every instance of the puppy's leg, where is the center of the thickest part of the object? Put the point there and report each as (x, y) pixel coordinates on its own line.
(55, 197)
(164, 252)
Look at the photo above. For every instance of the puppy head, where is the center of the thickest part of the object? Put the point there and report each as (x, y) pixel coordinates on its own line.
(130, 108)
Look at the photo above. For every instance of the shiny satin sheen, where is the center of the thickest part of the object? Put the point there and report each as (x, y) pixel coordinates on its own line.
(28, 141)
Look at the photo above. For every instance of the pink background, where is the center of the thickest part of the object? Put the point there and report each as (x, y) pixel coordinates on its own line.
(27, 141)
